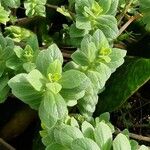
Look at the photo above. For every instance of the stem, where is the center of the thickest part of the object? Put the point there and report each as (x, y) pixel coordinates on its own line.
(124, 11)
(135, 136)
(5, 146)
(132, 18)
(51, 6)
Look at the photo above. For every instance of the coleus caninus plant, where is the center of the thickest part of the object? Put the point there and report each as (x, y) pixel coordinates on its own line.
(50, 90)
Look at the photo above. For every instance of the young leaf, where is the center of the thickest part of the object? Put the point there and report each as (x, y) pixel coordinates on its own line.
(104, 117)
(48, 56)
(134, 145)
(87, 130)
(103, 136)
(65, 134)
(4, 15)
(18, 33)
(105, 4)
(121, 142)
(143, 148)
(55, 67)
(117, 60)
(54, 87)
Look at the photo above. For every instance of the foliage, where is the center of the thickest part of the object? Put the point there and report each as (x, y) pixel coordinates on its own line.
(32, 68)
(97, 135)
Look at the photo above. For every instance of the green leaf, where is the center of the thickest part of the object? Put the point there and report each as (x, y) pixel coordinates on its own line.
(84, 144)
(70, 65)
(87, 130)
(46, 119)
(64, 11)
(105, 4)
(104, 117)
(72, 97)
(18, 51)
(75, 32)
(18, 33)
(100, 76)
(4, 15)
(48, 56)
(83, 23)
(87, 104)
(108, 25)
(65, 134)
(143, 147)
(11, 3)
(54, 87)
(113, 7)
(46, 133)
(80, 58)
(121, 142)
(33, 42)
(134, 145)
(52, 109)
(2, 66)
(4, 93)
(36, 79)
(22, 89)
(14, 63)
(4, 89)
(130, 78)
(100, 40)
(35, 8)
(55, 67)
(29, 66)
(89, 49)
(116, 57)
(73, 79)
(103, 136)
